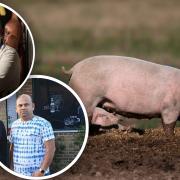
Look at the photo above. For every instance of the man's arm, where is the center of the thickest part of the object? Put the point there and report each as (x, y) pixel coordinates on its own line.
(11, 156)
(49, 154)
(8, 57)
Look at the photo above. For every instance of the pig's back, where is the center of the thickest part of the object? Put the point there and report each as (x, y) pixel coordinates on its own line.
(123, 67)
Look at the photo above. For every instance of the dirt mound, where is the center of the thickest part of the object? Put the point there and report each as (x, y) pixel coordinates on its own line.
(116, 155)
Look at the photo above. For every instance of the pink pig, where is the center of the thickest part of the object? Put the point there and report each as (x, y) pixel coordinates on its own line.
(129, 87)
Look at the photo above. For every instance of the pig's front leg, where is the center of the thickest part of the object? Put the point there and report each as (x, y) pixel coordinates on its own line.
(169, 121)
(170, 113)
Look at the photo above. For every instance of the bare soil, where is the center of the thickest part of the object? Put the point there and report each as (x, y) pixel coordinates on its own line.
(115, 155)
(126, 156)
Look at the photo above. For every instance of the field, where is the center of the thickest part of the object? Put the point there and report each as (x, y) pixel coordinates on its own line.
(66, 32)
(117, 156)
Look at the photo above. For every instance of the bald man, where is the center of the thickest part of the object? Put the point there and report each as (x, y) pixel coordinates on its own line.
(32, 141)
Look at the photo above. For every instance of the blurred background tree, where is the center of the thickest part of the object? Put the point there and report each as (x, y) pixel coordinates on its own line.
(68, 31)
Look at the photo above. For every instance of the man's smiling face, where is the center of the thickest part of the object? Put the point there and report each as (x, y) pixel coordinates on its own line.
(25, 107)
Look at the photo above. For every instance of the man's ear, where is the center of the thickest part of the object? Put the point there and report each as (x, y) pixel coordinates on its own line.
(33, 105)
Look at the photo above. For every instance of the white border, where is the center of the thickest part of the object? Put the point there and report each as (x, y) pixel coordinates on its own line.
(85, 138)
(33, 57)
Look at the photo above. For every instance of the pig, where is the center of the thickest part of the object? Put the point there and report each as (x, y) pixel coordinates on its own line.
(127, 86)
(104, 118)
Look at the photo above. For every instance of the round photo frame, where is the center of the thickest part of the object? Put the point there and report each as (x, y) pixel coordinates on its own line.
(33, 52)
(85, 136)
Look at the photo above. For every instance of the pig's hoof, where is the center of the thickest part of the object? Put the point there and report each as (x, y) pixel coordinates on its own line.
(139, 131)
(170, 135)
(169, 129)
(94, 129)
(170, 138)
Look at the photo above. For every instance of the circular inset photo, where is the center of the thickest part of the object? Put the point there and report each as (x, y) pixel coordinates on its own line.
(43, 128)
(16, 51)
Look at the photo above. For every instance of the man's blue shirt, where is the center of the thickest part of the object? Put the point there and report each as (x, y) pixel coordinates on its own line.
(28, 138)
